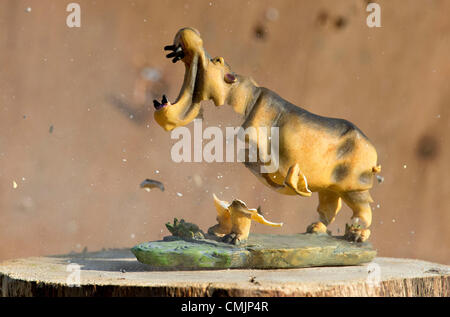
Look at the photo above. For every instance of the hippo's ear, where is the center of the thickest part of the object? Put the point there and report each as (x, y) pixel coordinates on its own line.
(218, 60)
(229, 78)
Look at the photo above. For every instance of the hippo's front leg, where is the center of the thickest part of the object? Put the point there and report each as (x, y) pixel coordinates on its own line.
(296, 180)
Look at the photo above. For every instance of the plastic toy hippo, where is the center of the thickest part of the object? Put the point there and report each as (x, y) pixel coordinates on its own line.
(316, 154)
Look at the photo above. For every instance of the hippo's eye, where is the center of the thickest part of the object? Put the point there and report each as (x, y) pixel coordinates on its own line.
(218, 60)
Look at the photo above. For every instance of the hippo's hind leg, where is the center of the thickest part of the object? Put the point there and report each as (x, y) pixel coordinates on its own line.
(329, 205)
(359, 202)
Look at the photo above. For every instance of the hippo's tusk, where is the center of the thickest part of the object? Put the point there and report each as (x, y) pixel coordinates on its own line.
(170, 55)
(169, 47)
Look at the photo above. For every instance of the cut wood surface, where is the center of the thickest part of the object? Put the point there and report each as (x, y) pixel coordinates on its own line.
(118, 273)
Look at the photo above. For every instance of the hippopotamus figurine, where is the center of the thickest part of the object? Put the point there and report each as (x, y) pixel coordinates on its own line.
(316, 154)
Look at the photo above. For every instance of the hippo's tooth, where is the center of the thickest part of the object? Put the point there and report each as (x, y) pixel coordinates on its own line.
(173, 54)
(169, 47)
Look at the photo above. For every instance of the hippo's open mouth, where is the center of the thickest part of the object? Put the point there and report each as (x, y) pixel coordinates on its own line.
(176, 55)
(188, 48)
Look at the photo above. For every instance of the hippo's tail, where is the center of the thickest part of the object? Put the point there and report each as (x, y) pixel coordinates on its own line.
(376, 169)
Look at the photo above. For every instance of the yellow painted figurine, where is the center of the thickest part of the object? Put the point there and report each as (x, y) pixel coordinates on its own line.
(234, 220)
(316, 154)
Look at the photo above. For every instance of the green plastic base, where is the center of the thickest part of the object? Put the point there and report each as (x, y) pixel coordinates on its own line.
(261, 251)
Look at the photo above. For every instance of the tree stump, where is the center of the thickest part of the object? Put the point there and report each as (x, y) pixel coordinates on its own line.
(118, 273)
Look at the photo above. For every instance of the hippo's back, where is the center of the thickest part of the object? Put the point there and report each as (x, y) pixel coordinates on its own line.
(332, 153)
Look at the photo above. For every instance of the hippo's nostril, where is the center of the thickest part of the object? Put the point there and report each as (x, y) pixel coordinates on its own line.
(164, 100)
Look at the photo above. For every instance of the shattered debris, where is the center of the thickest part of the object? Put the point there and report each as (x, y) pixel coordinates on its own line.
(148, 184)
